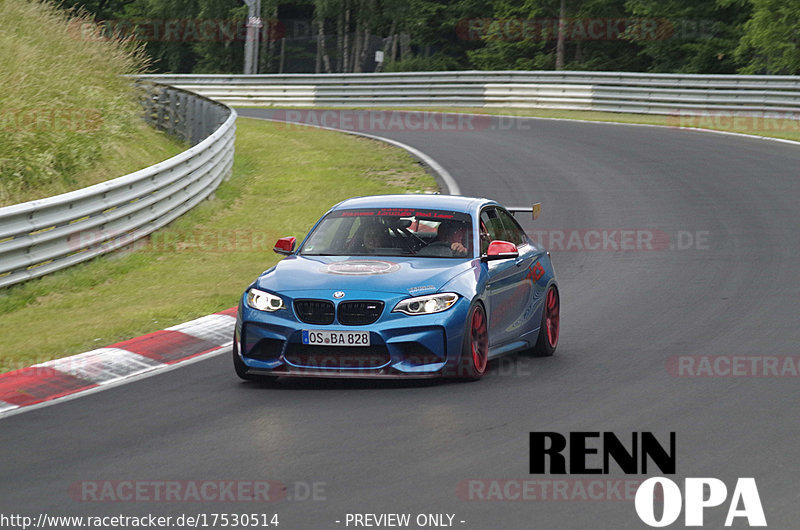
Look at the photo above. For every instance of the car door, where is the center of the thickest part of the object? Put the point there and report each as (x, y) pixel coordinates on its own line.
(525, 291)
(509, 286)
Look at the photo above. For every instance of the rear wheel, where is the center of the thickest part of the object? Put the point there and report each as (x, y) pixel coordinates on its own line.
(241, 368)
(475, 351)
(551, 324)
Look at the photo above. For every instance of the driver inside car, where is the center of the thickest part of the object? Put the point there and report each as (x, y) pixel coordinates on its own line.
(454, 234)
(372, 236)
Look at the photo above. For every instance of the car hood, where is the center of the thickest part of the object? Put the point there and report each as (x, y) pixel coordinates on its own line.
(406, 275)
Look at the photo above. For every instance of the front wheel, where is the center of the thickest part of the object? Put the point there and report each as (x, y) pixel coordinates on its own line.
(551, 323)
(475, 351)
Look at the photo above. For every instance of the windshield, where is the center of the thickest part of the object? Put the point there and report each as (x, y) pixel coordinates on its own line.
(392, 232)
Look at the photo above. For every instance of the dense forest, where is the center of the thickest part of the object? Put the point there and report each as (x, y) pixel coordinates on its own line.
(688, 36)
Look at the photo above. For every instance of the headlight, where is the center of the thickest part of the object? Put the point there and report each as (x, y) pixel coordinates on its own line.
(425, 305)
(264, 301)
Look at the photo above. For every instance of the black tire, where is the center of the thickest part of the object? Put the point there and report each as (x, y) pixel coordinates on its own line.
(550, 327)
(475, 349)
(241, 368)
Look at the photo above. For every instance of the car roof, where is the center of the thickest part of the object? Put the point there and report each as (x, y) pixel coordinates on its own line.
(454, 203)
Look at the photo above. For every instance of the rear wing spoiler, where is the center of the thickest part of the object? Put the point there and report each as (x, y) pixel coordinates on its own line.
(534, 210)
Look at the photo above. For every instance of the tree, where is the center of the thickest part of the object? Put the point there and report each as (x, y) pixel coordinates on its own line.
(221, 49)
(693, 36)
(690, 36)
(771, 40)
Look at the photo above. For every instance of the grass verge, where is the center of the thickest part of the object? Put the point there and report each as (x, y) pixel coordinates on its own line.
(283, 179)
(66, 113)
(143, 146)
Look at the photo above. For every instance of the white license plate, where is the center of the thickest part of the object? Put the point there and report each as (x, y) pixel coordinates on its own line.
(335, 338)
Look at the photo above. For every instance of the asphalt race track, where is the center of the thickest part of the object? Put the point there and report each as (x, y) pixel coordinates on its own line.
(712, 269)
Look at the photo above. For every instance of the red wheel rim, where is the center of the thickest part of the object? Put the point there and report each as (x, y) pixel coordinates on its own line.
(551, 317)
(480, 346)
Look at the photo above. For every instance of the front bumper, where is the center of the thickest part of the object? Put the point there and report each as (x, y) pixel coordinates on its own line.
(401, 346)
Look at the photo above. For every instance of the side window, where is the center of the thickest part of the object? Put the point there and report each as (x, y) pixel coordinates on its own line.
(491, 228)
(514, 233)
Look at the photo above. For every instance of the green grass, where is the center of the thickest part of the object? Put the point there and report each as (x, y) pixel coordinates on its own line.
(67, 117)
(773, 127)
(283, 179)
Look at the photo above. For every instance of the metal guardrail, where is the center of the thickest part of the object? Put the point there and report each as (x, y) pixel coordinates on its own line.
(39, 237)
(604, 91)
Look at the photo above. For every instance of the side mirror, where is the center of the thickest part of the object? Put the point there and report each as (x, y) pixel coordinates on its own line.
(500, 250)
(285, 245)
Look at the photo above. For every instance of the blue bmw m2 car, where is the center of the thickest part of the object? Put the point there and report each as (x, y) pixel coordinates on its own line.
(400, 286)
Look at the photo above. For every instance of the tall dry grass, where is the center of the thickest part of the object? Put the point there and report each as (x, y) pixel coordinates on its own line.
(63, 103)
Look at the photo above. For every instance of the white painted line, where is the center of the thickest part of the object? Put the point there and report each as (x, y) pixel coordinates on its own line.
(681, 128)
(225, 348)
(449, 182)
(5, 407)
(745, 135)
(104, 365)
(213, 328)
